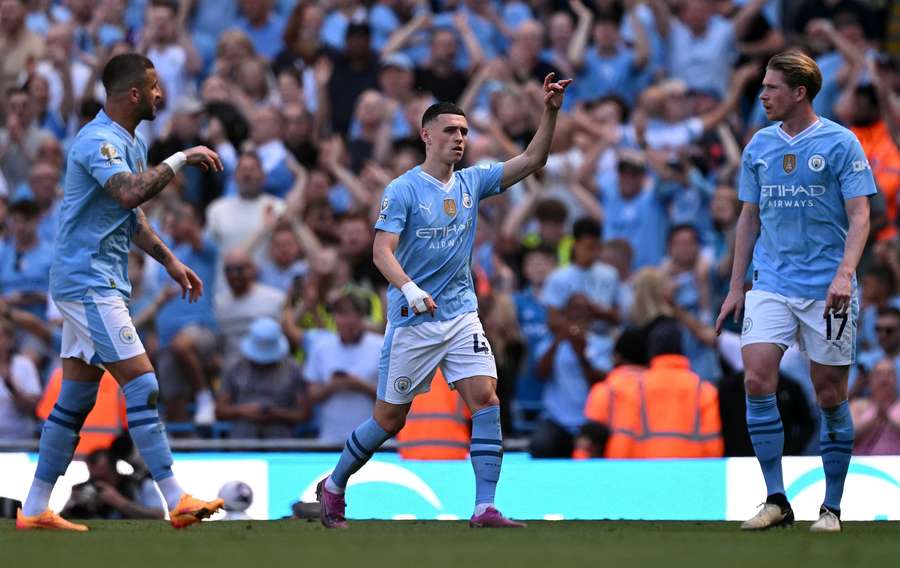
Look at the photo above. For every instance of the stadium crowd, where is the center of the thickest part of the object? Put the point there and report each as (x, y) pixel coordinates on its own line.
(598, 279)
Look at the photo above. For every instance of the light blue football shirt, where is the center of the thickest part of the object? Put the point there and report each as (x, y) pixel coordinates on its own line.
(801, 185)
(95, 231)
(436, 224)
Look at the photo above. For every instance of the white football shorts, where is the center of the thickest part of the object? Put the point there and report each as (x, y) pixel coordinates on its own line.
(773, 318)
(411, 354)
(98, 329)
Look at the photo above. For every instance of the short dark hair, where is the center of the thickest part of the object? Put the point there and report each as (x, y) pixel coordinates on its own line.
(551, 210)
(26, 208)
(889, 311)
(884, 274)
(440, 108)
(683, 227)
(359, 29)
(544, 249)
(125, 71)
(586, 227)
(664, 338)
(632, 346)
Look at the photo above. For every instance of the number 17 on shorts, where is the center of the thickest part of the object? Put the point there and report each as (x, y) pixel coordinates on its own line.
(773, 318)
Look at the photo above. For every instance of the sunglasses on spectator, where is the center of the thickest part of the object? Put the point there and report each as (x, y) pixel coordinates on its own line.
(236, 268)
(885, 329)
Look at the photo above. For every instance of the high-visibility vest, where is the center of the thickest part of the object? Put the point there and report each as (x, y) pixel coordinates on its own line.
(102, 424)
(884, 160)
(666, 411)
(437, 426)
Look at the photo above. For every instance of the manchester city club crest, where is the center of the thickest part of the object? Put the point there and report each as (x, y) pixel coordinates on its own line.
(402, 384)
(450, 207)
(789, 162)
(467, 201)
(816, 162)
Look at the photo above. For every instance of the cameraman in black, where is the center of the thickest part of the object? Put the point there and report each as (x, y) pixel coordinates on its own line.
(107, 494)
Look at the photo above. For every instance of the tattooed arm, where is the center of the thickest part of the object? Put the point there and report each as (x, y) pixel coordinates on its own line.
(148, 241)
(130, 189)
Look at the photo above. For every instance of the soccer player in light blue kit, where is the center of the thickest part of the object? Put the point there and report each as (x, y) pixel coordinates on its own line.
(423, 246)
(106, 182)
(805, 183)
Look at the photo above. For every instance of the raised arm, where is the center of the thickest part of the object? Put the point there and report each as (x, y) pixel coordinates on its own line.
(535, 155)
(661, 16)
(401, 36)
(578, 45)
(130, 190)
(739, 81)
(641, 41)
(745, 15)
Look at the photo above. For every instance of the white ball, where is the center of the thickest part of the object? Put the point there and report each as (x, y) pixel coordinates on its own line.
(237, 495)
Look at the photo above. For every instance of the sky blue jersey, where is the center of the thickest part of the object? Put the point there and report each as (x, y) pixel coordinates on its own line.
(95, 231)
(801, 185)
(436, 224)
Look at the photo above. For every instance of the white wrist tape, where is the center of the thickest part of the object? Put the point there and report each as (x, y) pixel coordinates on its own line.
(176, 161)
(415, 296)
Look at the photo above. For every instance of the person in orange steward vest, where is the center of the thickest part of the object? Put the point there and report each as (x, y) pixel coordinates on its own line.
(103, 423)
(437, 426)
(665, 411)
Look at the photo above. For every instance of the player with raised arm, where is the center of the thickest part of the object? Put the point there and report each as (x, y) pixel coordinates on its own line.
(106, 182)
(423, 246)
(804, 184)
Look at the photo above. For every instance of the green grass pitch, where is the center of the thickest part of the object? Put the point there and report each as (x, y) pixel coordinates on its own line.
(265, 544)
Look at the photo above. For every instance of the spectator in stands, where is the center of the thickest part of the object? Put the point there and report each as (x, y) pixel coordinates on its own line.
(20, 386)
(876, 418)
(342, 369)
(570, 363)
(634, 211)
(25, 260)
(531, 316)
(356, 248)
(611, 68)
(21, 136)
(878, 291)
(702, 44)
(172, 53)
(284, 263)
(262, 393)
(263, 26)
(107, 494)
(586, 275)
(200, 188)
(354, 71)
(266, 126)
(688, 275)
(43, 184)
(19, 45)
(666, 411)
(242, 302)
(188, 341)
(232, 221)
(887, 328)
(550, 216)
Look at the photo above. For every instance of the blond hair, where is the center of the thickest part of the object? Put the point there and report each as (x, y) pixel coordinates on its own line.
(799, 70)
(649, 297)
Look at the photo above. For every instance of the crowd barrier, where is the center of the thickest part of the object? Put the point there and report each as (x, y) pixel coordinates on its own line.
(391, 488)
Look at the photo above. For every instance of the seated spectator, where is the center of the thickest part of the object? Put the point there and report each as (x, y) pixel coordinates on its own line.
(20, 387)
(877, 417)
(263, 26)
(342, 369)
(20, 137)
(187, 332)
(25, 260)
(243, 301)
(887, 328)
(575, 359)
(107, 494)
(667, 411)
(263, 394)
(266, 129)
(43, 182)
